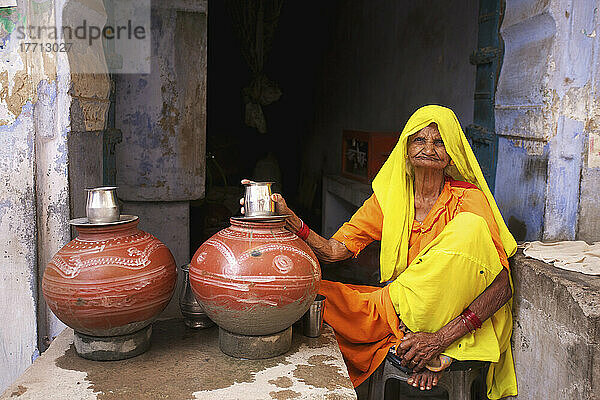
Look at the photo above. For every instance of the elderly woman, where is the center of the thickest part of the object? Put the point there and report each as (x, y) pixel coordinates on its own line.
(444, 251)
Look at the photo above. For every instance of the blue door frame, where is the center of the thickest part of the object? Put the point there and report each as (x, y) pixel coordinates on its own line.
(488, 59)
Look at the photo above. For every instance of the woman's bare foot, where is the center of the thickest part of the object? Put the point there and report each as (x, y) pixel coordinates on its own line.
(424, 380)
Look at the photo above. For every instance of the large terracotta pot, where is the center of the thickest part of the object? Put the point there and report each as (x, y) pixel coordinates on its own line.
(255, 278)
(111, 280)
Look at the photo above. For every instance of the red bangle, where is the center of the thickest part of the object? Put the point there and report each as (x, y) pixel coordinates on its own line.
(472, 318)
(304, 231)
(464, 321)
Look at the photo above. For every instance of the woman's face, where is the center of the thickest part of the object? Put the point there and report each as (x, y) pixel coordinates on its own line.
(426, 149)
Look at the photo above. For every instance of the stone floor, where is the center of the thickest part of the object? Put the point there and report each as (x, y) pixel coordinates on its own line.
(184, 363)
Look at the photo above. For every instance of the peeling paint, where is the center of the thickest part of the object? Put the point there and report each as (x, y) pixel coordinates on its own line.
(91, 95)
(18, 254)
(51, 185)
(576, 102)
(16, 94)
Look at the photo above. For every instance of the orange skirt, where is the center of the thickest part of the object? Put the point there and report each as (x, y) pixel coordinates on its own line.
(365, 324)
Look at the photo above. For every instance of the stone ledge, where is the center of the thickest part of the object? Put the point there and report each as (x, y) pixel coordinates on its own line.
(577, 295)
(555, 332)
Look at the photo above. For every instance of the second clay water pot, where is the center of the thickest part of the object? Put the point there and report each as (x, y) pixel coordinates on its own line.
(255, 279)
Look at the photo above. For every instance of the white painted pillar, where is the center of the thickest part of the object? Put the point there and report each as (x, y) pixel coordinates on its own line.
(52, 193)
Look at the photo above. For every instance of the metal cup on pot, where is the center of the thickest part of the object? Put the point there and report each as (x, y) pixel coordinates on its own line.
(102, 205)
(257, 199)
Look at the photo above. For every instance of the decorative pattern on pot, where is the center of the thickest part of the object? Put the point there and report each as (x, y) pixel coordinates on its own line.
(255, 278)
(112, 280)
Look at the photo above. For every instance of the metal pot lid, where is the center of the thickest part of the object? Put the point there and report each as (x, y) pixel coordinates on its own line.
(261, 218)
(124, 218)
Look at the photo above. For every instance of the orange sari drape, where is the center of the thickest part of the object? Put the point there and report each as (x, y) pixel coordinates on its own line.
(365, 324)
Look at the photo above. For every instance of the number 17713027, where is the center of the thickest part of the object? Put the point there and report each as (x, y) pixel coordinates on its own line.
(47, 47)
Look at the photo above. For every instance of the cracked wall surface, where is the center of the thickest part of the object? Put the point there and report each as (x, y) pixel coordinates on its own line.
(546, 181)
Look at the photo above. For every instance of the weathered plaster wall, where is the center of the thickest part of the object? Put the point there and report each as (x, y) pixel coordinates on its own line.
(52, 188)
(589, 217)
(35, 121)
(25, 96)
(545, 112)
(163, 115)
(386, 59)
(18, 332)
(30, 149)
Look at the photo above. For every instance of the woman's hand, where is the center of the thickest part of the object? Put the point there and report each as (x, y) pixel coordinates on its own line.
(418, 348)
(281, 207)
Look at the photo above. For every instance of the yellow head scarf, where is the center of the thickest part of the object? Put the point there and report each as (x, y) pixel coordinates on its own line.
(393, 187)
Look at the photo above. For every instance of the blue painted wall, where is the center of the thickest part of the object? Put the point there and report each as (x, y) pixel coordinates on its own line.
(521, 181)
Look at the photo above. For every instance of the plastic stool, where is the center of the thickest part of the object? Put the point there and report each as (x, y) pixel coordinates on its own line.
(457, 379)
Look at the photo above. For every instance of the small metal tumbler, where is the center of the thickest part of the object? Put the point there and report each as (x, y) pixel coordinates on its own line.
(257, 199)
(102, 205)
(312, 321)
(192, 311)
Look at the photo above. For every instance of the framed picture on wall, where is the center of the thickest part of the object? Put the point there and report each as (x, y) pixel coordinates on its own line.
(365, 152)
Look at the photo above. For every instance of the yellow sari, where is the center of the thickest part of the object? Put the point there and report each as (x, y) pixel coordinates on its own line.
(415, 292)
